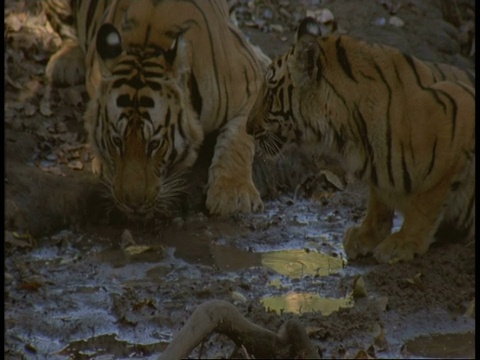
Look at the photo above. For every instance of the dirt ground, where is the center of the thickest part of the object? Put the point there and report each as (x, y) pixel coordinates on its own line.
(84, 282)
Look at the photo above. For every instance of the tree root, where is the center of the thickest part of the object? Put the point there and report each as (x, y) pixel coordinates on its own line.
(291, 341)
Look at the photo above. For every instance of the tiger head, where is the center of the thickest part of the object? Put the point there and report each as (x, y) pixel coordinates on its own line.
(142, 122)
(275, 117)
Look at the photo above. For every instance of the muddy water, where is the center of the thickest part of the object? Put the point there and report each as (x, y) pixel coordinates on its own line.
(111, 293)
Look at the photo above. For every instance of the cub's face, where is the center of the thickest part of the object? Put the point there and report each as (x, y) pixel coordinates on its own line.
(271, 120)
(143, 127)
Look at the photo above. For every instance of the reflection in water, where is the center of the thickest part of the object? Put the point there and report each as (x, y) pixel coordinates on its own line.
(294, 263)
(298, 263)
(298, 303)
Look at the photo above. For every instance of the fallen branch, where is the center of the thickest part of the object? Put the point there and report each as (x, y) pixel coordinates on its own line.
(291, 341)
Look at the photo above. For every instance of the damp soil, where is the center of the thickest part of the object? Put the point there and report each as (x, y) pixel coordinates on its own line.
(84, 282)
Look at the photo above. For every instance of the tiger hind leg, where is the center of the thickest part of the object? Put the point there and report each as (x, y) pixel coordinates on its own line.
(422, 215)
(67, 66)
(375, 228)
(459, 218)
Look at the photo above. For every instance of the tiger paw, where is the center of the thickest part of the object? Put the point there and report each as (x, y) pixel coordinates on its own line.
(67, 66)
(226, 197)
(397, 248)
(359, 241)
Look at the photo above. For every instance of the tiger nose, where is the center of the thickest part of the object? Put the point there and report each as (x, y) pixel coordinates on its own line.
(135, 202)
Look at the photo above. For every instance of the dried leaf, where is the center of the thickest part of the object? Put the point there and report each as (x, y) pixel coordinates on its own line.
(333, 179)
(45, 109)
(359, 289)
(76, 165)
(416, 280)
(127, 238)
(378, 333)
(396, 21)
(20, 240)
(136, 249)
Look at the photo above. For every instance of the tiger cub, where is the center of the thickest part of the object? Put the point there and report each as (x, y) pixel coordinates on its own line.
(404, 126)
(160, 76)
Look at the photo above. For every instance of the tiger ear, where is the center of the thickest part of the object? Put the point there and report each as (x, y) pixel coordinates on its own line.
(308, 26)
(108, 43)
(307, 50)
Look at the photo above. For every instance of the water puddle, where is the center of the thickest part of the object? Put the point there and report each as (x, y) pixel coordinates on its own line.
(118, 257)
(294, 263)
(442, 346)
(300, 303)
(109, 345)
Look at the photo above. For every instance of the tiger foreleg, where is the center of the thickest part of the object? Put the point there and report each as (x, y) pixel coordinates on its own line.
(230, 186)
(422, 215)
(375, 228)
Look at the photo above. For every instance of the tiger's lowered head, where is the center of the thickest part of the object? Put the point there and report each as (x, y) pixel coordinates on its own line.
(160, 76)
(142, 125)
(404, 126)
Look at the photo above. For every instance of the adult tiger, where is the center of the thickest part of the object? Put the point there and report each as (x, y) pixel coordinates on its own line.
(404, 126)
(160, 75)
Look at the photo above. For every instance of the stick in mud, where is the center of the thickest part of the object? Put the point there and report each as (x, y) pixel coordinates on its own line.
(219, 316)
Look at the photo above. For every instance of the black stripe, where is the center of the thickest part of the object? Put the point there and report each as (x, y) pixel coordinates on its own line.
(195, 97)
(146, 116)
(443, 77)
(342, 58)
(249, 54)
(225, 116)
(122, 72)
(407, 182)
(151, 63)
(389, 130)
(363, 132)
(147, 34)
(432, 161)
(124, 101)
(167, 118)
(213, 57)
(134, 82)
(154, 74)
(90, 12)
(147, 102)
(455, 110)
(179, 124)
(362, 171)
(410, 62)
(470, 208)
(334, 89)
(154, 85)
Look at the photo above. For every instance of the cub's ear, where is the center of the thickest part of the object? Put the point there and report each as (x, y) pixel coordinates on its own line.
(307, 51)
(308, 26)
(109, 42)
